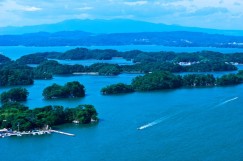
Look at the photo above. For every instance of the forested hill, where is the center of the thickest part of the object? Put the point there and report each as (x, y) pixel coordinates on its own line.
(79, 38)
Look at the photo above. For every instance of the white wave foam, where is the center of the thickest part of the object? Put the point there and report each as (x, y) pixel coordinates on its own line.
(153, 123)
(232, 99)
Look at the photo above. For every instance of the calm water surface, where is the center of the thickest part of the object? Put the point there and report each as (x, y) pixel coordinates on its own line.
(198, 124)
(188, 124)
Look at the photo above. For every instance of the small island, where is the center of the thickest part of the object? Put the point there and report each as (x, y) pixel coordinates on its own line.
(116, 89)
(69, 90)
(19, 119)
(18, 94)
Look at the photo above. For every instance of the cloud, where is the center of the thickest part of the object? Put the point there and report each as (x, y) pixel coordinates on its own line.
(31, 9)
(85, 8)
(237, 4)
(209, 11)
(14, 6)
(136, 3)
(182, 12)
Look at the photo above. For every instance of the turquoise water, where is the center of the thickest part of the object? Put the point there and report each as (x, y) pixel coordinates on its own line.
(188, 124)
(15, 52)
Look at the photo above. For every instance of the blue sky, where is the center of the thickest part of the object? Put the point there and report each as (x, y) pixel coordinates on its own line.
(221, 14)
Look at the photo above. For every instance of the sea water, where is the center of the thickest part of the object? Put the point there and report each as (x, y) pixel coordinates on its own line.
(192, 124)
(187, 124)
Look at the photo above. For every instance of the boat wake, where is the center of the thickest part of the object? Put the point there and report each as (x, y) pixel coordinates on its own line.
(153, 123)
(227, 101)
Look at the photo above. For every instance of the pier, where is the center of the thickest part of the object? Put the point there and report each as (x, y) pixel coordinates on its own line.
(5, 133)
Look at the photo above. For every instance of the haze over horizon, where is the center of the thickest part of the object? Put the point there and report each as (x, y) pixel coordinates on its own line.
(217, 14)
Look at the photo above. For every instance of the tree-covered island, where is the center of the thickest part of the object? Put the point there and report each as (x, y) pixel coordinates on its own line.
(18, 94)
(17, 116)
(69, 90)
(167, 80)
(117, 89)
(12, 74)
(134, 55)
(19, 73)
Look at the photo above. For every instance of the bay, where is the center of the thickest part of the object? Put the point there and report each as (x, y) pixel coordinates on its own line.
(188, 124)
(183, 124)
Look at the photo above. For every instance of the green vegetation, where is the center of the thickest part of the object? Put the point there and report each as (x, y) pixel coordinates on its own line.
(51, 67)
(32, 59)
(210, 66)
(84, 54)
(229, 79)
(18, 73)
(240, 74)
(205, 61)
(152, 67)
(104, 69)
(157, 81)
(70, 89)
(4, 59)
(14, 114)
(167, 80)
(198, 80)
(116, 89)
(14, 74)
(14, 95)
(135, 55)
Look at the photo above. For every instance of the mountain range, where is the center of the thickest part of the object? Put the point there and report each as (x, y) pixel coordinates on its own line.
(117, 32)
(98, 26)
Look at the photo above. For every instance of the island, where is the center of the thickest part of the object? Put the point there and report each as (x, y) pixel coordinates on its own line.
(18, 94)
(19, 118)
(20, 73)
(136, 56)
(116, 89)
(69, 90)
(167, 80)
(12, 74)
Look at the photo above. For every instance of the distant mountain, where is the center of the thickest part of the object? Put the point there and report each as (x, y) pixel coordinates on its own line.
(79, 38)
(111, 26)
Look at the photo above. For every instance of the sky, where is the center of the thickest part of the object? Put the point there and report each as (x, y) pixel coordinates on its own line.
(218, 14)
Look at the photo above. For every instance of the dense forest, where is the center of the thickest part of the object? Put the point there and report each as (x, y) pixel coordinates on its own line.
(12, 74)
(4, 59)
(134, 55)
(19, 73)
(15, 114)
(117, 89)
(69, 90)
(167, 80)
(14, 95)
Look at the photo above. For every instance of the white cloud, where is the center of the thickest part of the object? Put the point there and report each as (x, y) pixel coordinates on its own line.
(31, 9)
(135, 3)
(85, 8)
(14, 6)
(201, 13)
